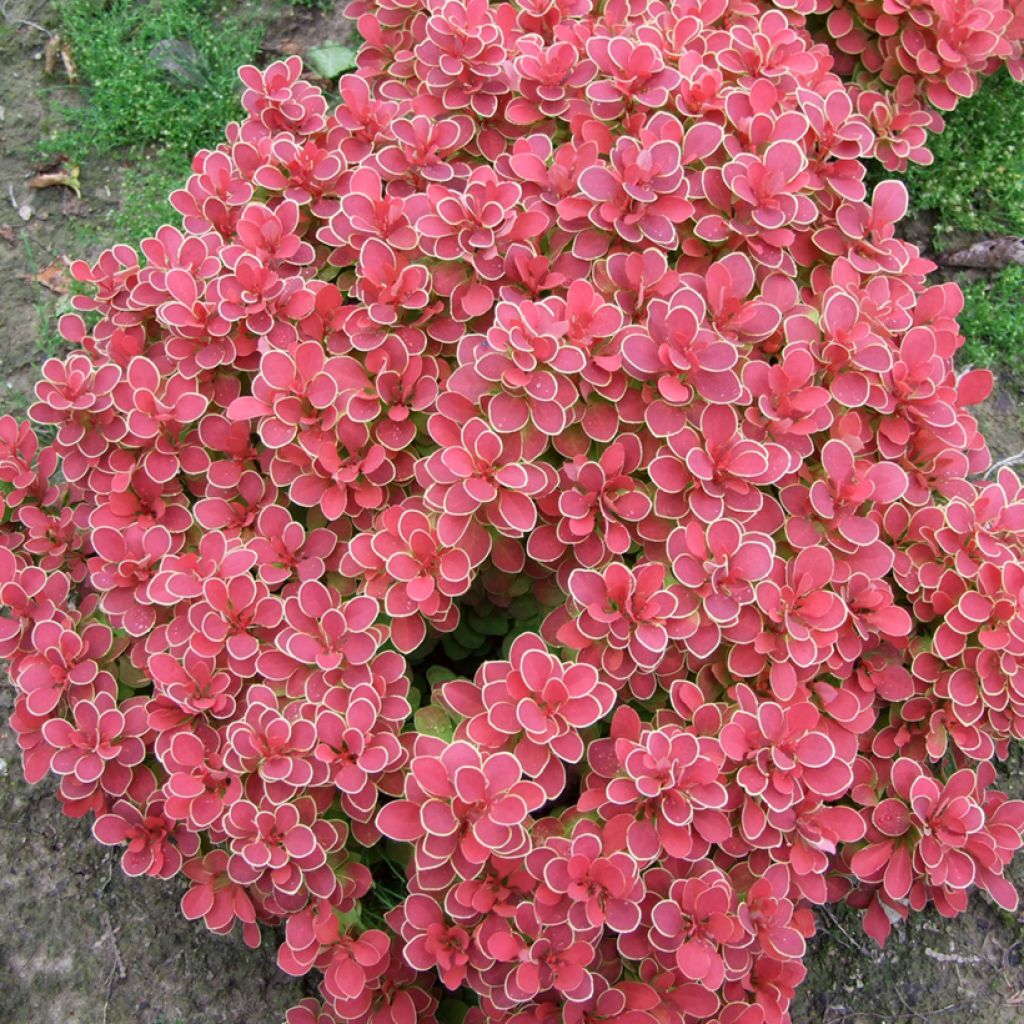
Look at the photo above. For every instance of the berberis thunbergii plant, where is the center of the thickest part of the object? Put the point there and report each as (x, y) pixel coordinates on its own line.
(522, 532)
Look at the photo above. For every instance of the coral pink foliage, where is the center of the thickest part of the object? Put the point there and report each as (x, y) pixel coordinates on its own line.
(581, 314)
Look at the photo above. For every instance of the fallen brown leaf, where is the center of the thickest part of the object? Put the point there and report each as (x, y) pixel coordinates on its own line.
(68, 175)
(57, 47)
(50, 52)
(53, 278)
(7, 234)
(68, 60)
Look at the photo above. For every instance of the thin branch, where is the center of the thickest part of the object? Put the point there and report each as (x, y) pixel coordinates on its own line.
(22, 22)
(1008, 462)
(850, 940)
(117, 969)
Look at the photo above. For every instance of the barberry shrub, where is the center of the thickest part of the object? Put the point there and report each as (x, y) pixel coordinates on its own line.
(573, 323)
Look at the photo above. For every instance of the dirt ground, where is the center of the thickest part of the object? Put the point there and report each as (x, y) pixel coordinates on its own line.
(80, 943)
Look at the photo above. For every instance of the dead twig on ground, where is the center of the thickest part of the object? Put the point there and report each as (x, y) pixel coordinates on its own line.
(917, 1015)
(22, 22)
(117, 969)
(111, 934)
(850, 941)
(1009, 462)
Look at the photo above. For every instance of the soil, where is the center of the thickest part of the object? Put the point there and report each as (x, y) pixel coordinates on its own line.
(80, 943)
(932, 970)
(35, 225)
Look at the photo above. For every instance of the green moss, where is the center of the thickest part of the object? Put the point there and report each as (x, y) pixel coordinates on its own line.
(977, 181)
(976, 187)
(155, 73)
(159, 81)
(993, 323)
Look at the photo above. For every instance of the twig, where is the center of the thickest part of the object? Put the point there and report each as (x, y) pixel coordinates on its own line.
(850, 940)
(117, 969)
(119, 966)
(1008, 462)
(110, 992)
(23, 22)
(917, 1015)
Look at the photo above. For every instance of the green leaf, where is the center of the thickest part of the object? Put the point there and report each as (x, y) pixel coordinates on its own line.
(331, 59)
(432, 721)
(524, 607)
(491, 625)
(415, 697)
(398, 853)
(454, 649)
(350, 918)
(467, 636)
(452, 1011)
(438, 674)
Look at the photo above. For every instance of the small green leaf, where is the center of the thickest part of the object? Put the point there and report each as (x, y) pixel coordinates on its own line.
(453, 649)
(350, 918)
(331, 59)
(452, 1011)
(432, 721)
(438, 674)
(466, 635)
(398, 853)
(415, 697)
(491, 625)
(524, 607)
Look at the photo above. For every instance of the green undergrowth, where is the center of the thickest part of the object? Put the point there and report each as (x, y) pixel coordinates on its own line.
(155, 73)
(975, 189)
(993, 324)
(158, 81)
(976, 184)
